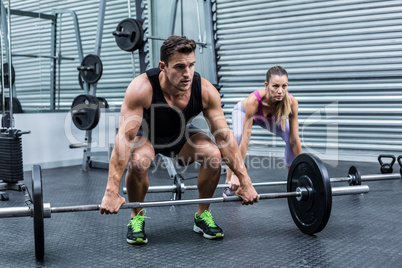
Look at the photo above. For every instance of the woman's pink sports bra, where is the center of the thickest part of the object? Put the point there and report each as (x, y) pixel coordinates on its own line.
(259, 116)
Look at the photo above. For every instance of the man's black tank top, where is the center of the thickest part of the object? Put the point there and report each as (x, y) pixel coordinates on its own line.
(164, 120)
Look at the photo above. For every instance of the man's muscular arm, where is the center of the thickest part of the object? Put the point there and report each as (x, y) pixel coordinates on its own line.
(226, 141)
(138, 96)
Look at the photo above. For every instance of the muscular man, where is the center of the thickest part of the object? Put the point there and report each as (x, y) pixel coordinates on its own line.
(155, 118)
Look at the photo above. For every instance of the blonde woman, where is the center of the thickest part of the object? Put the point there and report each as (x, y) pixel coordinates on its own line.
(271, 108)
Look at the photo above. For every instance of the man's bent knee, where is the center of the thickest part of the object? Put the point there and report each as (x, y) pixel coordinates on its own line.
(140, 164)
(212, 158)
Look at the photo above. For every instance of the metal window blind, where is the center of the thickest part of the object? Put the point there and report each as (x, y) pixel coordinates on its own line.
(344, 61)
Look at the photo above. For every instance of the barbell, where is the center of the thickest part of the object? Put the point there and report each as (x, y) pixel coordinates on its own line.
(309, 195)
(353, 178)
(129, 35)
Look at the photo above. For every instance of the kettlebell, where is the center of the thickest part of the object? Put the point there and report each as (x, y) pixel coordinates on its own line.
(386, 167)
(400, 163)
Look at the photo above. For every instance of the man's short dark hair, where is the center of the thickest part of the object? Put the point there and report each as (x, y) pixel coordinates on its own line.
(175, 44)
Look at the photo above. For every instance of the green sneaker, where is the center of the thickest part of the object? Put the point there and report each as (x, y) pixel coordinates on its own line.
(205, 224)
(136, 229)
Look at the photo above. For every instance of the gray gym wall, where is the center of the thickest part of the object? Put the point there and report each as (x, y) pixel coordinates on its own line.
(49, 140)
(343, 59)
(32, 36)
(344, 62)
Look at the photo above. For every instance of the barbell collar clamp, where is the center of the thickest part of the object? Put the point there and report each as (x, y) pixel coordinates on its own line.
(182, 187)
(352, 179)
(47, 210)
(121, 34)
(302, 192)
(85, 68)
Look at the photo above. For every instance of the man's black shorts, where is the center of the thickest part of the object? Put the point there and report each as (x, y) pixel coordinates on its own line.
(171, 146)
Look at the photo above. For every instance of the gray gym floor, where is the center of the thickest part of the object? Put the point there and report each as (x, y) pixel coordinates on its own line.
(363, 230)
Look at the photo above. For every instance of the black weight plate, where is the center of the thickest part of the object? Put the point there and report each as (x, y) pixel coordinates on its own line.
(310, 215)
(85, 112)
(129, 35)
(38, 212)
(140, 36)
(96, 68)
(354, 172)
(6, 81)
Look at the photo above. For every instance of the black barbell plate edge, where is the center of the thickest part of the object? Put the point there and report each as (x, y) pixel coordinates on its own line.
(136, 42)
(6, 75)
(141, 35)
(75, 106)
(39, 230)
(310, 220)
(400, 163)
(354, 172)
(95, 122)
(177, 181)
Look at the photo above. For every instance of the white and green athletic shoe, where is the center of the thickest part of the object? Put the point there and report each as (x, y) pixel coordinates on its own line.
(136, 229)
(206, 225)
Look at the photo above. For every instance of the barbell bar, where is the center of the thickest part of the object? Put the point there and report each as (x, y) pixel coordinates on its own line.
(301, 193)
(42, 56)
(129, 35)
(309, 194)
(353, 178)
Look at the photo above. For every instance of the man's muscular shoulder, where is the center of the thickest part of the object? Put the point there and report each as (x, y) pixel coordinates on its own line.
(139, 92)
(210, 95)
